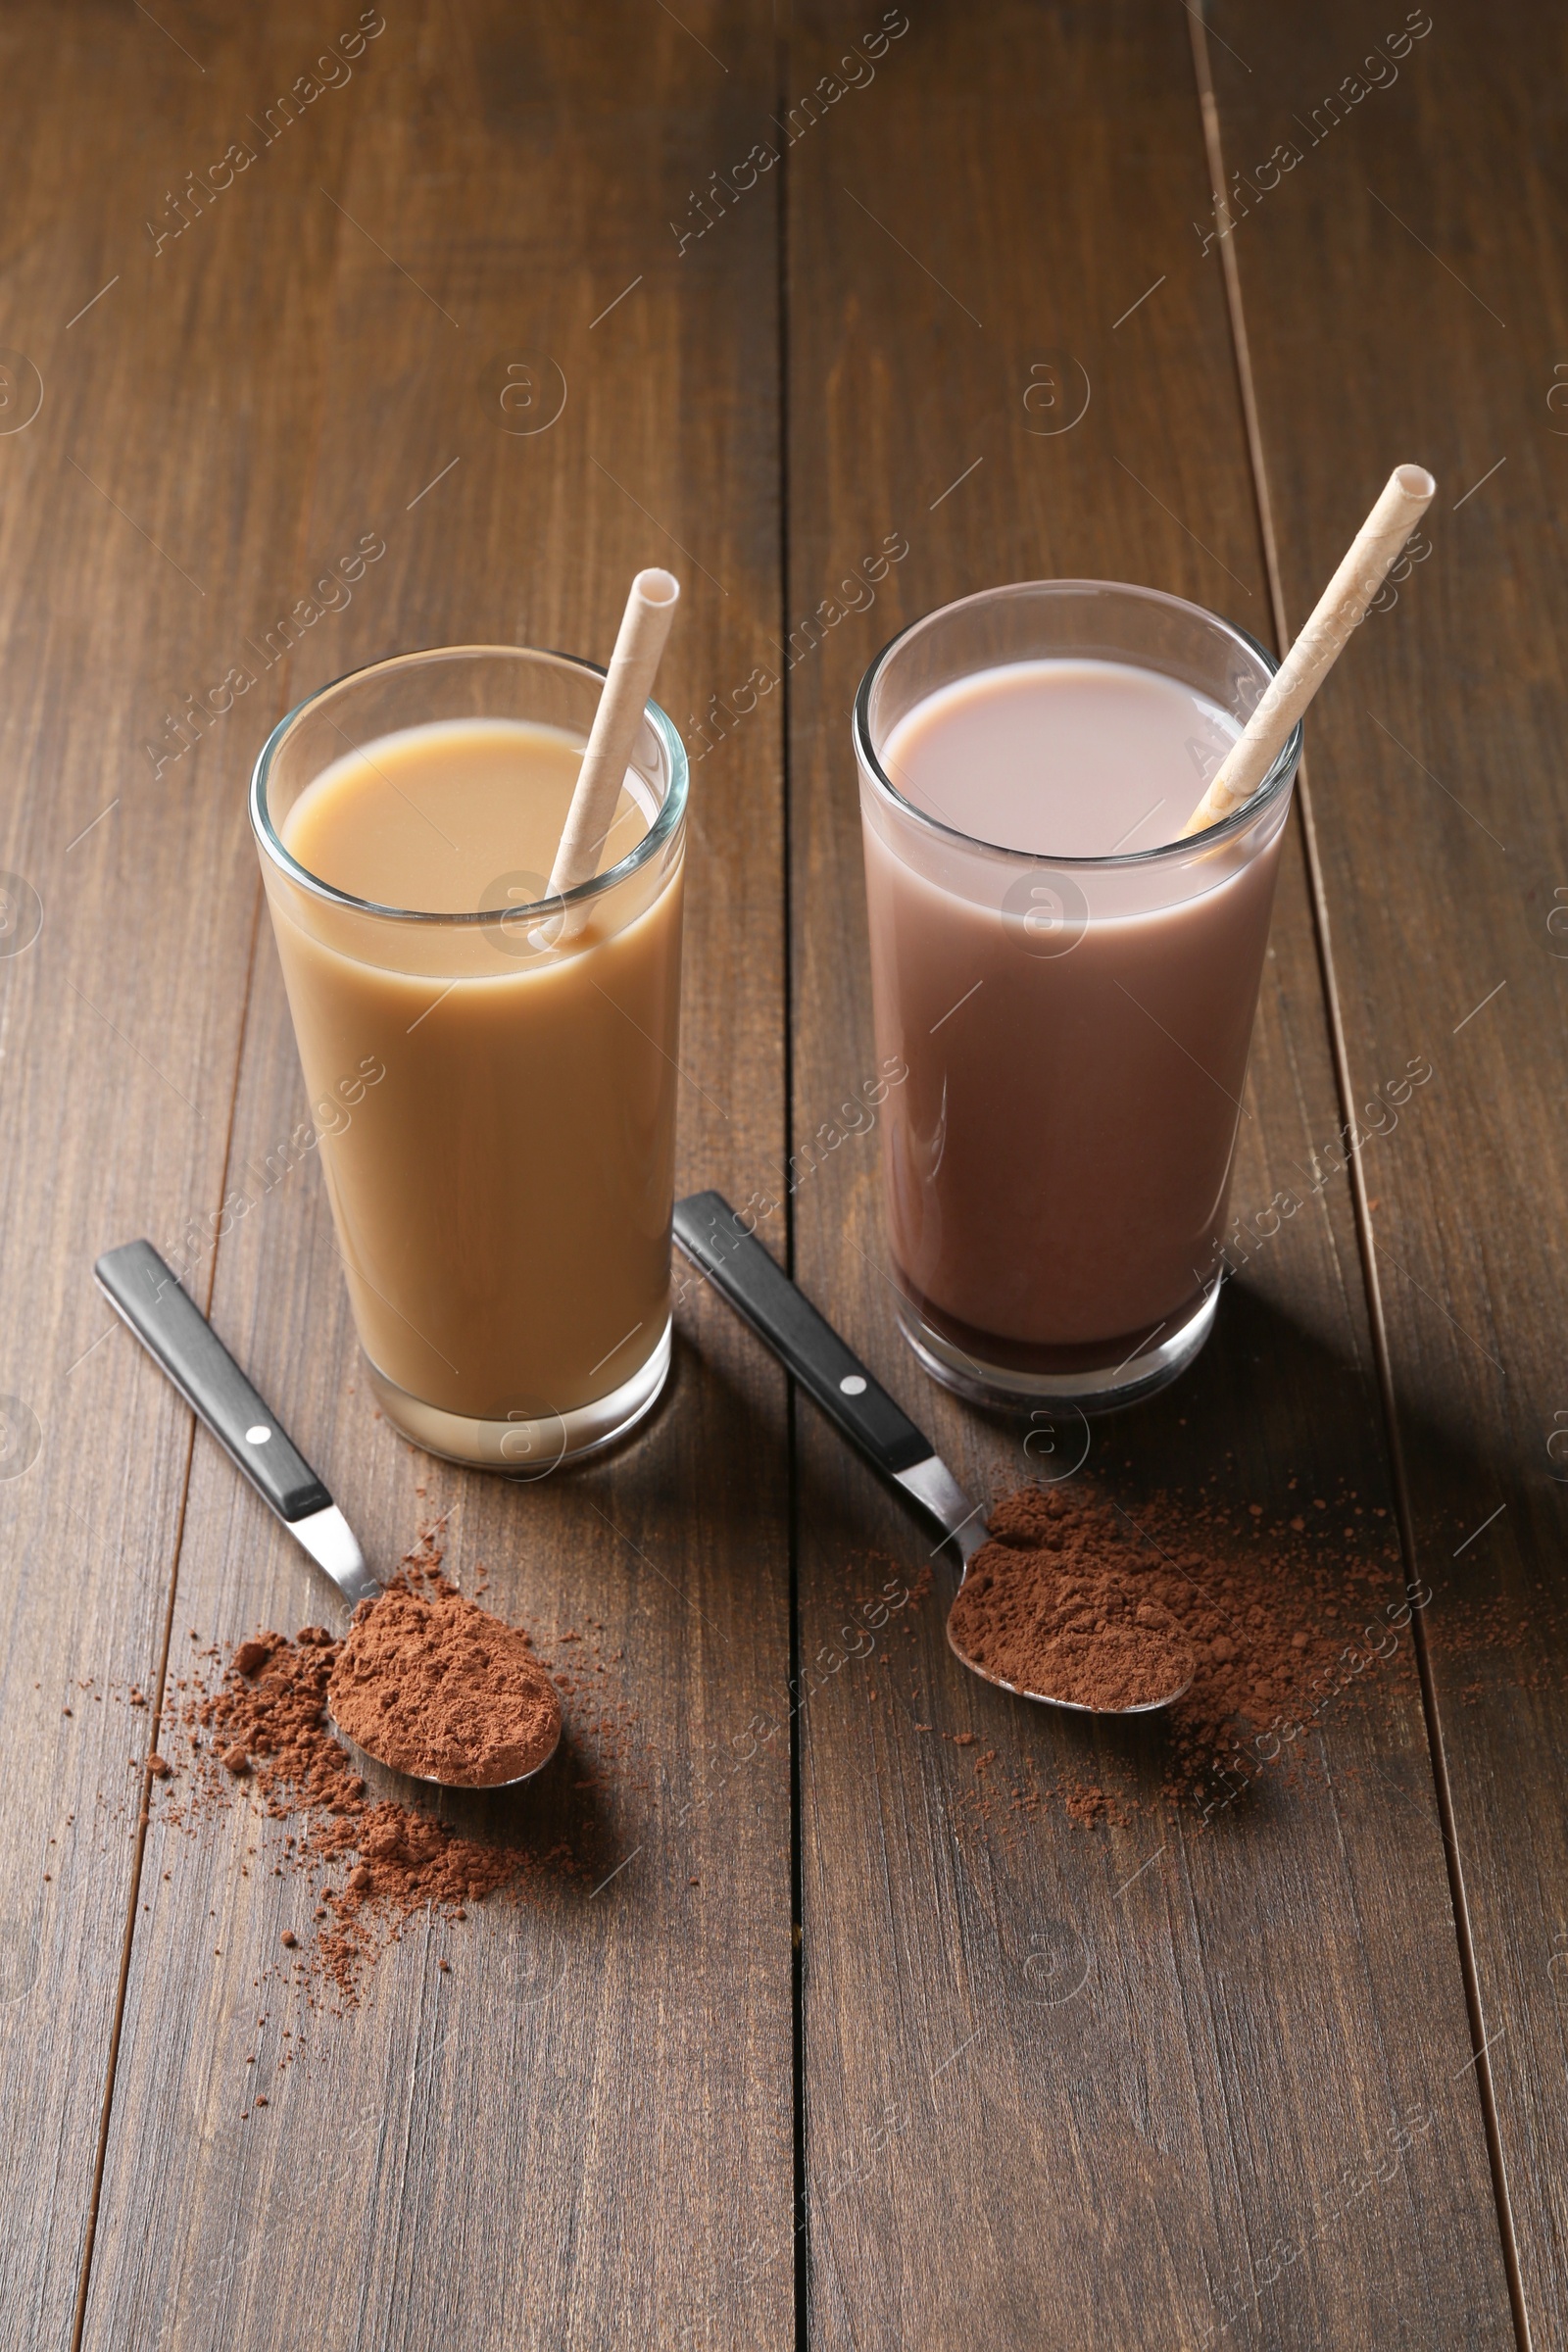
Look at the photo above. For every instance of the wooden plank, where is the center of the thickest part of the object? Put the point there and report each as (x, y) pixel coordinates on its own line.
(575, 2133)
(1065, 2086)
(138, 539)
(1443, 825)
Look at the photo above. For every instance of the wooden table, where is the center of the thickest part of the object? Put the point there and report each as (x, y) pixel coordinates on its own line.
(822, 2060)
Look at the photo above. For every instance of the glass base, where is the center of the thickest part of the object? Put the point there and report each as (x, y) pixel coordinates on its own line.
(1090, 1392)
(520, 1447)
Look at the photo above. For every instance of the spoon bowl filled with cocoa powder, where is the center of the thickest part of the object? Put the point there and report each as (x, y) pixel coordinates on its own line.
(437, 1688)
(427, 1683)
(1041, 1611)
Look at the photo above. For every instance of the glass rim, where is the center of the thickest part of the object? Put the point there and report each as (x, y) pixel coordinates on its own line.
(671, 809)
(1278, 776)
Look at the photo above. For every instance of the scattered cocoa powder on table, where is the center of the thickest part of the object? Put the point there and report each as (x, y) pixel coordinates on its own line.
(1048, 1608)
(436, 1686)
(368, 1868)
(265, 1728)
(1281, 1617)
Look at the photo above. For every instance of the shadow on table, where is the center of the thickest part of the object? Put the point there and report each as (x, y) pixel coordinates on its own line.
(1270, 1415)
(1267, 1401)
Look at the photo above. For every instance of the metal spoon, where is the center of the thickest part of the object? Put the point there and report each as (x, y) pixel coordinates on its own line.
(178, 1336)
(741, 1270)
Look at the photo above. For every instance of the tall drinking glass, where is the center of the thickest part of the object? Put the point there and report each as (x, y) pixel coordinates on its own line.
(1056, 1166)
(492, 1088)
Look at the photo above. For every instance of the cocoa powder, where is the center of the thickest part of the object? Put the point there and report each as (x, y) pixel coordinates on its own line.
(1048, 1608)
(266, 1730)
(366, 1869)
(1282, 1613)
(436, 1686)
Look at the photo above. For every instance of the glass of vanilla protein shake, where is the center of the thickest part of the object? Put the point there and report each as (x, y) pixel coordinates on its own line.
(491, 1070)
(1071, 987)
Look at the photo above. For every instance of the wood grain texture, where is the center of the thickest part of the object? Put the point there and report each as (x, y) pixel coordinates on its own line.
(576, 2134)
(1065, 2086)
(1418, 235)
(1089, 2087)
(122, 517)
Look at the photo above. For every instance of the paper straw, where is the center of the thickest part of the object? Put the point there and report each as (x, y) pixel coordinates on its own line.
(1340, 609)
(633, 666)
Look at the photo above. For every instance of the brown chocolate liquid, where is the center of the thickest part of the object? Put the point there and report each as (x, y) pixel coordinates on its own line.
(1057, 1163)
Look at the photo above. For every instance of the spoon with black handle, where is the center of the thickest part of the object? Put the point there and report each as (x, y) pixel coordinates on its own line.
(833, 1376)
(146, 1295)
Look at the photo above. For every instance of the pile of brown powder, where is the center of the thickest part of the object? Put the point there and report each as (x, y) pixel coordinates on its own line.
(1048, 1606)
(266, 1722)
(1282, 1621)
(436, 1686)
(372, 1867)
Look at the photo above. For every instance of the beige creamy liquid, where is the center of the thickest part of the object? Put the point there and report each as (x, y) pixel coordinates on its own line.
(430, 817)
(502, 1190)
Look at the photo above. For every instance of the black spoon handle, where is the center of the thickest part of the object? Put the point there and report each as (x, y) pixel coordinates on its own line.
(174, 1332)
(736, 1264)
